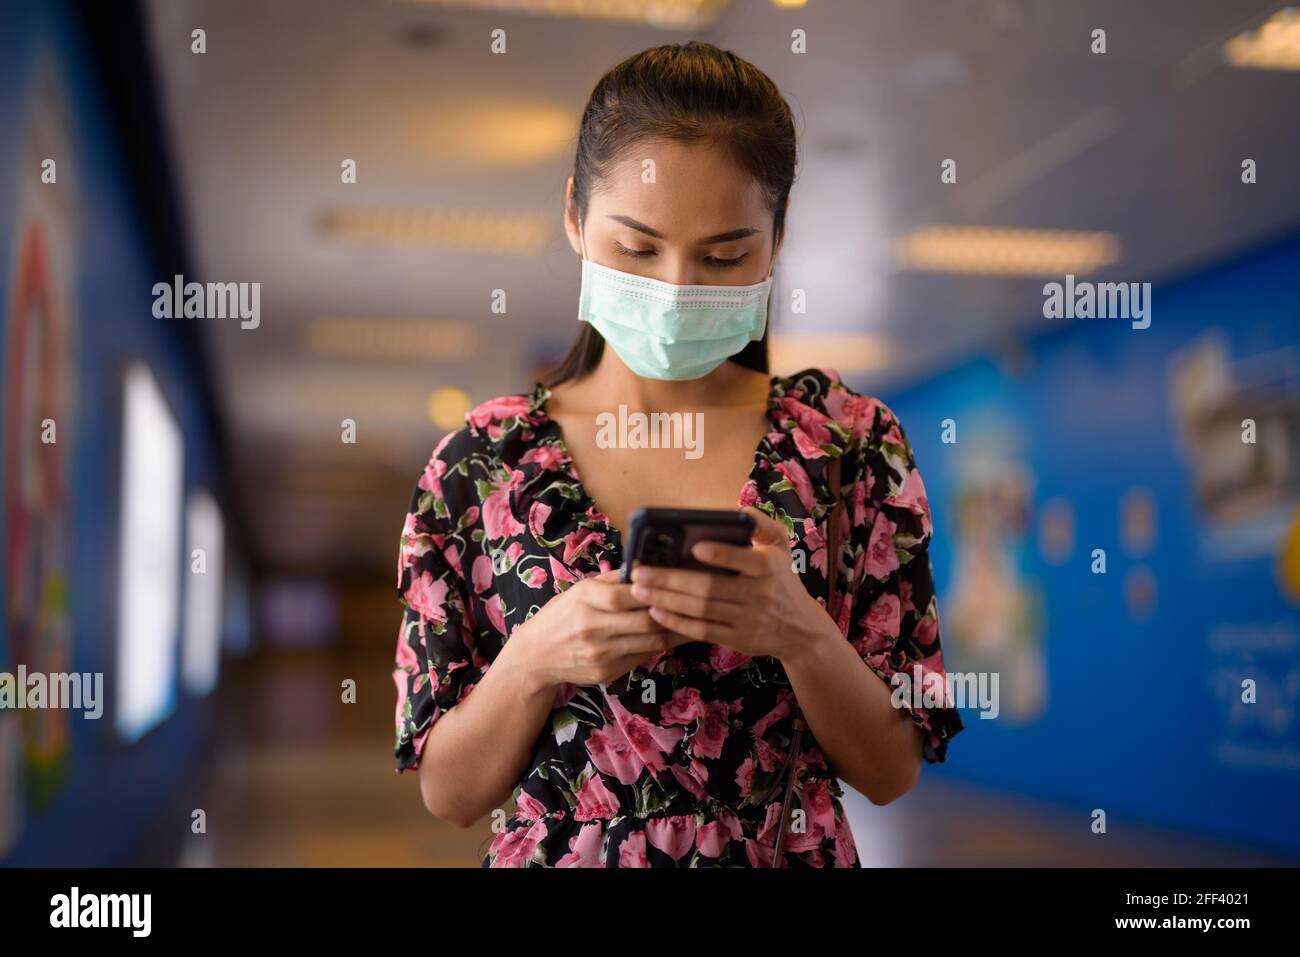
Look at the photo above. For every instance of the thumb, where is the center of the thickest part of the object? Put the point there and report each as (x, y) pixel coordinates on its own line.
(767, 530)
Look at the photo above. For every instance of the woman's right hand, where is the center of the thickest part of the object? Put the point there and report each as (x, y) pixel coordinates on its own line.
(592, 633)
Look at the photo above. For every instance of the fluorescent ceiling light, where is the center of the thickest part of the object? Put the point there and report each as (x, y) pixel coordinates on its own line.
(461, 229)
(1006, 252)
(362, 338)
(480, 132)
(1274, 46)
(675, 14)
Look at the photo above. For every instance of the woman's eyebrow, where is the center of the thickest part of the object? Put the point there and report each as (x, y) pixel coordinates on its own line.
(728, 236)
(631, 223)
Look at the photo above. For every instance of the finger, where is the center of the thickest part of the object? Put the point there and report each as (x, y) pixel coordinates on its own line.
(693, 606)
(615, 596)
(703, 584)
(767, 530)
(627, 623)
(738, 558)
(693, 628)
(641, 646)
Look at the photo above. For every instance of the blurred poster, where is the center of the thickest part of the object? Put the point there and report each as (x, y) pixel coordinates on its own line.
(38, 412)
(992, 613)
(1238, 430)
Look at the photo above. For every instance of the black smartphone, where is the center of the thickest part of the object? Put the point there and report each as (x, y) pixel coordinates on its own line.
(665, 536)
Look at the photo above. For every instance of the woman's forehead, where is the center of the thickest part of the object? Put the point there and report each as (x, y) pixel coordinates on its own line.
(662, 184)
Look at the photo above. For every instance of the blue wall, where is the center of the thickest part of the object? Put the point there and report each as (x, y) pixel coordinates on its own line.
(114, 793)
(1131, 722)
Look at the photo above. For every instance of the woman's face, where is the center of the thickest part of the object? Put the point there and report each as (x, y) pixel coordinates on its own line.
(679, 213)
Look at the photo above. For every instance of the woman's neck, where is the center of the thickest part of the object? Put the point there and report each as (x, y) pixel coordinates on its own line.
(612, 383)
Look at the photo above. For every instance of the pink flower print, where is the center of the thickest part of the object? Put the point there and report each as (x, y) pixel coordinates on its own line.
(560, 572)
(881, 559)
(911, 496)
(495, 614)
(926, 631)
(613, 755)
(809, 420)
(434, 471)
(498, 520)
(579, 542)
(498, 410)
(815, 542)
(675, 836)
(770, 757)
(725, 659)
(650, 741)
(537, 516)
(528, 807)
(481, 575)
(806, 446)
(548, 457)
(452, 553)
(881, 623)
(713, 837)
(745, 777)
(858, 415)
(584, 847)
(426, 595)
(712, 732)
(684, 707)
(595, 800)
(798, 477)
(514, 847)
(631, 853)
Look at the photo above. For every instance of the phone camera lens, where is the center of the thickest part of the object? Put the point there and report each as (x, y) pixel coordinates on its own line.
(662, 548)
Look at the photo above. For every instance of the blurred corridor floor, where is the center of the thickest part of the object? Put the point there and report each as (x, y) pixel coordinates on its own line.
(301, 779)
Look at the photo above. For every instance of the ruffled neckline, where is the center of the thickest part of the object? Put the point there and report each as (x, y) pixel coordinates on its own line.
(547, 495)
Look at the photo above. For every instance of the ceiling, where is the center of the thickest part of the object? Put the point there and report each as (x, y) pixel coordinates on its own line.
(1144, 142)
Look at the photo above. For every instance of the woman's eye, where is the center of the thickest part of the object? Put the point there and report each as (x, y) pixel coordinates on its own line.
(634, 253)
(724, 263)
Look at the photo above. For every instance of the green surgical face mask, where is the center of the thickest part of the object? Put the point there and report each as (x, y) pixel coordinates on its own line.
(665, 331)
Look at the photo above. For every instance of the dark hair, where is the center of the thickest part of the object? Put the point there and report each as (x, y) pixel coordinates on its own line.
(695, 93)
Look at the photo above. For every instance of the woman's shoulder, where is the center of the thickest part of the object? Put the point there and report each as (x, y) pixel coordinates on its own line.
(491, 425)
(821, 395)
(867, 425)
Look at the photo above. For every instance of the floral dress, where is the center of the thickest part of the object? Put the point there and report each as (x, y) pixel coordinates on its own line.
(681, 762)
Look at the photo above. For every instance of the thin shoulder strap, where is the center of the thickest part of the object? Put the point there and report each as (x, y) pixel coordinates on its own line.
(799, 725)
(833, 539)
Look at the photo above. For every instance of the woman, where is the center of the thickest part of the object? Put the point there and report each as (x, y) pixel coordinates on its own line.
(650, 724)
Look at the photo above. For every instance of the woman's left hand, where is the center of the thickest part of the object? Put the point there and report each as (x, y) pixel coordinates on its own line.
(764, 610)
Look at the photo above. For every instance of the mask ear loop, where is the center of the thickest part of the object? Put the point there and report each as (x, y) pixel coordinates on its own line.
(581, 241)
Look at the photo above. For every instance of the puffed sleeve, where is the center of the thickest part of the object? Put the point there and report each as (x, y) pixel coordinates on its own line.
(889, 611)
(437, 658)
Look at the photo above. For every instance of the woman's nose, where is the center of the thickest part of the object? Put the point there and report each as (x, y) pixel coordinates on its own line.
(678, 270)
